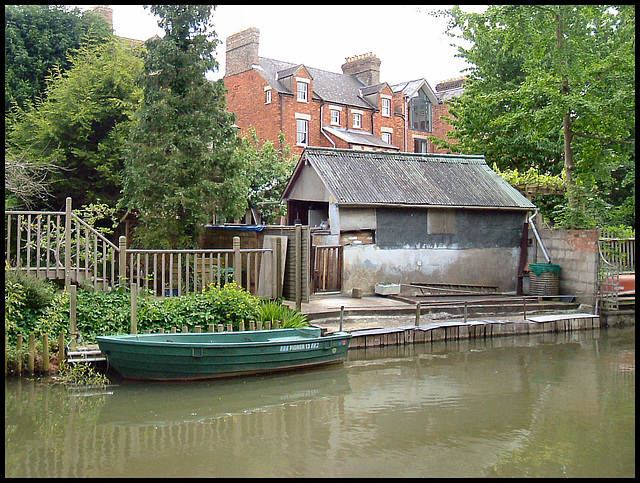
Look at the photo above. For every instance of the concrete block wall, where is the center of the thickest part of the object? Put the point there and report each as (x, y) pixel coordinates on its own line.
(576, 251)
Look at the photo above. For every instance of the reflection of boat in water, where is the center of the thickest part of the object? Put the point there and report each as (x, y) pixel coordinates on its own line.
(159, 404)
(189, 356)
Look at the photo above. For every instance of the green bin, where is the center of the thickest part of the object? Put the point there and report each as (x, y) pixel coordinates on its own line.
(544, 279)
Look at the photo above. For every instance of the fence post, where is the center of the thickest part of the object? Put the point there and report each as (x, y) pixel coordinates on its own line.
(237, 261)
(67, 243)
(122, 259)
(73, 323)
(19, 351)
(31, 357)
(45, 353)
(298, 267)
(278, 260)
(61, 355)
(134, 308)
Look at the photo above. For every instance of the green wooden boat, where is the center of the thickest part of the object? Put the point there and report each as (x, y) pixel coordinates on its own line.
(206, 355)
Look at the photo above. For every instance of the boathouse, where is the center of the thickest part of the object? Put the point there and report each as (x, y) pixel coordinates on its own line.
(404, 218)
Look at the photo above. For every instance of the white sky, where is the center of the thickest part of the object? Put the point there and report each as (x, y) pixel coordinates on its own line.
(409, 43)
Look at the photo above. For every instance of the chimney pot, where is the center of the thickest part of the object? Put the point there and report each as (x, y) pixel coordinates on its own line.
(365, 67)
(242, 51)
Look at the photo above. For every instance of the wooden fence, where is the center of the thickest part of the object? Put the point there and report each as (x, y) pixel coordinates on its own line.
(26, 356)
(59, 245)
(620, 252)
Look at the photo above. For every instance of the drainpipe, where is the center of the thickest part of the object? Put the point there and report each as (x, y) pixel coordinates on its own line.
(535, 232)
(406, 125)
(281, 118)
(373, 131)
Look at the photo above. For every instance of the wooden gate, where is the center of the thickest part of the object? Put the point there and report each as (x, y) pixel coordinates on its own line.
(327, 268)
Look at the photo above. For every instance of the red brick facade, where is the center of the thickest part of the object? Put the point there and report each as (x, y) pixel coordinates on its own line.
(271, 104)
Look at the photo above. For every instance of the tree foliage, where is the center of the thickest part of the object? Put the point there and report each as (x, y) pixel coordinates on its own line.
(36, 39)
(81, 124)
(268, 170)
(180, 165)
(553, 87)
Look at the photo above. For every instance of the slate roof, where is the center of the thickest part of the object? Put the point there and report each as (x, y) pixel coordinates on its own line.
(405, 179)
(327, 86)
(410, 89)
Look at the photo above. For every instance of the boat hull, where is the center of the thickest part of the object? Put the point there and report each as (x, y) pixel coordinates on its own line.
(187, 356)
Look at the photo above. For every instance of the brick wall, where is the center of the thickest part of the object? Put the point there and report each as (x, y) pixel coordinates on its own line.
(246, 99)
(576, 251)
(440, 126)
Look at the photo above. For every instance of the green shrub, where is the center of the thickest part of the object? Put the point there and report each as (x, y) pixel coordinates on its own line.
(102, 313)
(26, 298)
(271, 310)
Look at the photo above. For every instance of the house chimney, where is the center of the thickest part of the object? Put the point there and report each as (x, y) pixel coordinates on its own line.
(365, 67)
(105, 12)
(242, 51)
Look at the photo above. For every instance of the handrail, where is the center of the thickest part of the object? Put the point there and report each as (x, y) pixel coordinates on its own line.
(94, 231)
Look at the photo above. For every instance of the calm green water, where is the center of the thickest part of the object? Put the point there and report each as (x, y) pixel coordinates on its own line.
(553, 405)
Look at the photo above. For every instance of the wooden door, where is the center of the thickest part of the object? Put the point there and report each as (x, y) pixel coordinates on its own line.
(327, 268)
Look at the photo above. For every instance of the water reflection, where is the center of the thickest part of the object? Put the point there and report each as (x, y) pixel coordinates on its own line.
(545, 405)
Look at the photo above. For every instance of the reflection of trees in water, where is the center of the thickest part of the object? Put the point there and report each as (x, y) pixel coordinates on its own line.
(540, 408)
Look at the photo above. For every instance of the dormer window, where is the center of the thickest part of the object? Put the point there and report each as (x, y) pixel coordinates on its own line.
(386, 107)
(302, 89)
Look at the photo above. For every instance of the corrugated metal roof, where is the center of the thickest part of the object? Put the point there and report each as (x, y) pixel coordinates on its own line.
(386, 178)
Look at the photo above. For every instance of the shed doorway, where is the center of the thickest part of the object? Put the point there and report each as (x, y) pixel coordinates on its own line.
(326, 268)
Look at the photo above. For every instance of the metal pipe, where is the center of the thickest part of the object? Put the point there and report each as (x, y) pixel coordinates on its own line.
(535, 232)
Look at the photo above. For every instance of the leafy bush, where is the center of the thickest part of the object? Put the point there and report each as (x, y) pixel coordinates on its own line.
(101, 313)
(26, 298)
(271, 310)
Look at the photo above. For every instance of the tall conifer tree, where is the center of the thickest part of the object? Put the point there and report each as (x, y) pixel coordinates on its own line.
(180, 168)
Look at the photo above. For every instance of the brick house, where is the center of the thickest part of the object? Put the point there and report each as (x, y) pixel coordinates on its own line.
(314, 107)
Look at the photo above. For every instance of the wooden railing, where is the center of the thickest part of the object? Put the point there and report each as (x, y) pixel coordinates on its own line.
(620, 252)
(59, 245)
(179, 272)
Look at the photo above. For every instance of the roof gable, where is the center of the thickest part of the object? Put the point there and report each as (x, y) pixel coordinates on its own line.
(412, 88)
(403, 179)
(328, 86)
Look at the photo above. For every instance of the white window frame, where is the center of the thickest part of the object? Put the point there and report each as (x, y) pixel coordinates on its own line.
(386, 137)
(357, 120)
(303, 92)
(386, 107)
(335, 117)
(302, 132)
(267, 95)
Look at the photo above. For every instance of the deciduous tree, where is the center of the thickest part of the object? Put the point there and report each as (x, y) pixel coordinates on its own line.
(80, 124)
(553, 87)
(37, 38)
